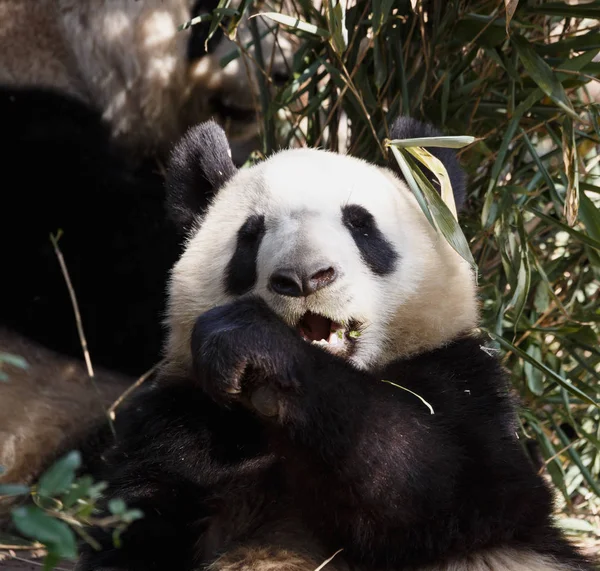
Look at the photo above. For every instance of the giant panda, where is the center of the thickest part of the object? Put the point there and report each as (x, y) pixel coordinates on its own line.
(324, 397)
(92, 94)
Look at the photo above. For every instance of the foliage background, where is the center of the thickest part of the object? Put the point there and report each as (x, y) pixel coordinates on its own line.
(522, 77)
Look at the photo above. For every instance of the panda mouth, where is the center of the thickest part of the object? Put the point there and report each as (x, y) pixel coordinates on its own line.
(328, 334)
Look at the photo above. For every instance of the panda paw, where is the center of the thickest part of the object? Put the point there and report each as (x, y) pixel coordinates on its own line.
(244, 352)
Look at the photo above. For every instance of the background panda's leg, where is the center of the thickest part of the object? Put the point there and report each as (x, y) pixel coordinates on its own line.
(282, 546)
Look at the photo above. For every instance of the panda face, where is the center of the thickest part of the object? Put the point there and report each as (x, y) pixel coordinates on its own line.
(337, 247)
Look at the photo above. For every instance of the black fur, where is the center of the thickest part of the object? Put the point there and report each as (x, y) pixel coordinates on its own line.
(62, 171)
(200, 165)
(241, 270)
(375, 250)
(409, 128)
(361, 462)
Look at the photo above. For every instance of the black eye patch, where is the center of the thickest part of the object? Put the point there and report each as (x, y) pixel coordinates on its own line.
(375, 250)
(240, 275)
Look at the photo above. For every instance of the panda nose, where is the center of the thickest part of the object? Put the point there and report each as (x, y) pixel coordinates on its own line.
(297, 284)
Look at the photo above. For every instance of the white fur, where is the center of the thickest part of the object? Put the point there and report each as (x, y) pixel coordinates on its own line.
(127, 58)
(504, 560)
(425, 302)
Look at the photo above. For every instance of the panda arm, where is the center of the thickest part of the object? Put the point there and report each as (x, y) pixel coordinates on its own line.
(370, 467)
(175, 452)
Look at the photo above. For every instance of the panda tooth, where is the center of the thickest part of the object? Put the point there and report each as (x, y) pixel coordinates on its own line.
(335, 338)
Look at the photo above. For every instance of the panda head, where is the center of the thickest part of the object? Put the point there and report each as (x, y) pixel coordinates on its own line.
(337, 247)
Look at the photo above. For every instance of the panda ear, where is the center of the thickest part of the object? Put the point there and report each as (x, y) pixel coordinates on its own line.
(199, 166)
(409, 128)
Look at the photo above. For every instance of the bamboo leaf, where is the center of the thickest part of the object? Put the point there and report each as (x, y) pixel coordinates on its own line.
(547, 371)
(336, 20)
(218, 14)
(521, 292)
(543, 75)
(445, 142)
(510, 6)
(294, 23)
(571, 162)
(591, 10)
(439, 170)
(444, 220)
(534, 377)
(572, 452)
(412, 183)
(197, 20)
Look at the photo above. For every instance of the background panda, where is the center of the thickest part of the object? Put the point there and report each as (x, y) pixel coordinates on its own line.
(311, 308)
(91, 94)
(46, 410)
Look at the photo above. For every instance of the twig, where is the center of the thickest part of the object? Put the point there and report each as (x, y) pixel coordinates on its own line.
(78, 321)
(328, 560)
(548, 460)
(86, 354)
(130, 389)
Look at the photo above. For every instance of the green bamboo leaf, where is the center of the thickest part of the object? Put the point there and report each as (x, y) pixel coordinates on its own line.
(380, 69)
(445, 98)
(445, 222)
(218, 14)
(547, 371)
(533, 376)
(59, 477)
(591, 10)
(33, 522)
(538, 162)
(523, 285)
(295, 23)
(590, 216)
(572, 452)
(381, 12)
(439, 170)
(445, 142)
(236, 18)
(576, 525)
(197, 20)
(554, 467)
(336, 20)
(412, 183)
(543, 75)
